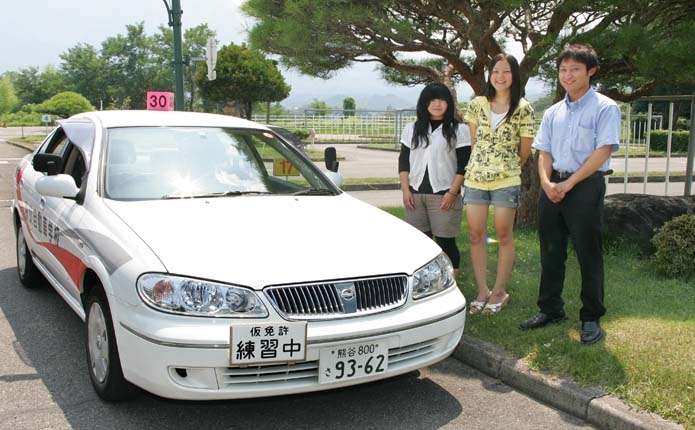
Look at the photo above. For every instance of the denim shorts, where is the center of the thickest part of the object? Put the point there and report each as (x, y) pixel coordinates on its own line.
(507, 197)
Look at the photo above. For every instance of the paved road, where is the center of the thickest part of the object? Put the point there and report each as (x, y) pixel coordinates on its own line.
(361, 163)
(44, 382)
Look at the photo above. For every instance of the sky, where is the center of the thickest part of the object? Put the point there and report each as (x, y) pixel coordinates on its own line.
(34, 33)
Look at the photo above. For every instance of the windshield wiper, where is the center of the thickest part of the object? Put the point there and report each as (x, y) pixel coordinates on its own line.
(314, 192)
(218, 194)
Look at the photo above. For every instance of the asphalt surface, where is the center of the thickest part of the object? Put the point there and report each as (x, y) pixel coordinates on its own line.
(590, 404)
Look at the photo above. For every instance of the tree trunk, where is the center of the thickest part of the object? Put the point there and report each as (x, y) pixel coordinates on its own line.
(527, 214)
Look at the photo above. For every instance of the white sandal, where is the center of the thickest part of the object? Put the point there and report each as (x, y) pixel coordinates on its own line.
(477, 307)
(493, 308)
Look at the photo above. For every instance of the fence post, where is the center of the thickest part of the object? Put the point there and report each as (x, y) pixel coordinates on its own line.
(669, 141)
(691, 149)
(628, 140)
(646, 148)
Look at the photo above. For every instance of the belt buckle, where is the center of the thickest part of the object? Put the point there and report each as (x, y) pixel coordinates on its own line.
(563, 175)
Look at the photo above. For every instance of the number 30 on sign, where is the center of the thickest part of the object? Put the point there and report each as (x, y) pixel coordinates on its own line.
(160, 100)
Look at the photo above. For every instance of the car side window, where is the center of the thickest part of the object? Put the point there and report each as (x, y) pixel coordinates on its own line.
(56, 145)
(74, 164)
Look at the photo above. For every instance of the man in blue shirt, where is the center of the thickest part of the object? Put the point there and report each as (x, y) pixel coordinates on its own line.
(575, 141)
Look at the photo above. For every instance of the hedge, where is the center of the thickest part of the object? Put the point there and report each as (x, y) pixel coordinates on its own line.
(679, 141)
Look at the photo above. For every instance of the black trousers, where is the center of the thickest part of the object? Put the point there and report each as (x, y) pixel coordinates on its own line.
(579, 216)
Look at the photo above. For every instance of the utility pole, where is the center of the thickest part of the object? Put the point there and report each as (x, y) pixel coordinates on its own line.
(174, 12)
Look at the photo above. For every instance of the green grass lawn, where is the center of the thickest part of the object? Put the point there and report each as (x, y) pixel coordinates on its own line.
(647, 357)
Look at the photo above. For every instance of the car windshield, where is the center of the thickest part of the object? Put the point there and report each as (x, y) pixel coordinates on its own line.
(145, 163)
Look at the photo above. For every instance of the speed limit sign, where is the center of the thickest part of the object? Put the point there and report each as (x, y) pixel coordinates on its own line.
(160, 100)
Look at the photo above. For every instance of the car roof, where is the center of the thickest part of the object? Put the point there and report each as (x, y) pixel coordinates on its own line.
(144, 118)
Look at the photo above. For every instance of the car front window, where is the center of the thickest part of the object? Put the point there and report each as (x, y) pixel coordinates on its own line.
(145, 163)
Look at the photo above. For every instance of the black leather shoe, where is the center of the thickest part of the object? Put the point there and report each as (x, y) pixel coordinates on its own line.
(591, 332)
(541, 320)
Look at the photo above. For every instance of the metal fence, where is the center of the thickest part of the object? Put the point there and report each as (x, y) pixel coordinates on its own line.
(361, 126)
(337, 126)
(637, 133)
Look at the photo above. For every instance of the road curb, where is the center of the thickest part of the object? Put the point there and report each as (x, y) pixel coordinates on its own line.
(371, 187)
(591, 404)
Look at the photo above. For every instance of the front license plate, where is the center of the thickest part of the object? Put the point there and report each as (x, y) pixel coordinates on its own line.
(352, 361)
(267, 343)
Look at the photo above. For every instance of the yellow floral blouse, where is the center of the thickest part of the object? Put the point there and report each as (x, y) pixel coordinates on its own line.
(495, 154)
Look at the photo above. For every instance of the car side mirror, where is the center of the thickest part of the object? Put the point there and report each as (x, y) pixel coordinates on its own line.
(49, 164)
(62, 186)
(331, 158)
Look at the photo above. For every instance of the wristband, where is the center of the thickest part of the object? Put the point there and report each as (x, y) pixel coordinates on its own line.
(449, 192)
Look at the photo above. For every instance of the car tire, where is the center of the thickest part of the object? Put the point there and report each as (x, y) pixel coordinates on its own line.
(29, 275)
(103, 360)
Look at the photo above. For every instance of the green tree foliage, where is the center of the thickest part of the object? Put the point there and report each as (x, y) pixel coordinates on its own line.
(8, 98)
(244, 76)
(65, 104)
(134, 68)
(542, 104)
(276, 109)
(319, 38)
(319, 107)
(681, 109)
(86, 72)
(349, 106)
(34, 86)
(194, 46)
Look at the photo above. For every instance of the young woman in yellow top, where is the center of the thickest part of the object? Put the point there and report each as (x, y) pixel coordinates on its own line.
(501, 125)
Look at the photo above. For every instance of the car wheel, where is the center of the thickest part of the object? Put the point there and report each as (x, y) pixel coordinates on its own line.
(103, 360)
(29, 275)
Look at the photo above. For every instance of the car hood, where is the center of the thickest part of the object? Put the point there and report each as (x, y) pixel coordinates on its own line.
(265, 240)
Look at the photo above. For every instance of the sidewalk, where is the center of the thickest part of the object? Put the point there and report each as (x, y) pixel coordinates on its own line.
(389, 195)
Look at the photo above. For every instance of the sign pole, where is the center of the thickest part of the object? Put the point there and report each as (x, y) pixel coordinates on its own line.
(175, 13)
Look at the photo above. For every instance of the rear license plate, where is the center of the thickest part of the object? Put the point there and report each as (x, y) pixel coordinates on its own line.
(352, 361)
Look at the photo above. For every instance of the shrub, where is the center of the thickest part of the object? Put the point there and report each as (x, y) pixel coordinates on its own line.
(301, 134)
(675, 246)
(679, 141)
(682, 124)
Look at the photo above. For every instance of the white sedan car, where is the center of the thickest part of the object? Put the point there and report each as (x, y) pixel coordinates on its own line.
(209, 259)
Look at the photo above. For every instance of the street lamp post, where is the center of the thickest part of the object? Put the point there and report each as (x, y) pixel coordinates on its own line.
(175, 13)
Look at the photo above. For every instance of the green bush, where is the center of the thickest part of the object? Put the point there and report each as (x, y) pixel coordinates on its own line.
(675, 246)
(679, 142)
(682, 124)
(301, 134)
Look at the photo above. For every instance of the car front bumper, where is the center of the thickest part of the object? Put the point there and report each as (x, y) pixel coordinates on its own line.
(417, 336)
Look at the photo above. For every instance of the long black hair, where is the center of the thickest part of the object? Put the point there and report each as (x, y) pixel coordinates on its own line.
(515, 90)
(433, 91)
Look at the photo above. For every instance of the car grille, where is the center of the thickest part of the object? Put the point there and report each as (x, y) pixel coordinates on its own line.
(338, 299)
(307, 373)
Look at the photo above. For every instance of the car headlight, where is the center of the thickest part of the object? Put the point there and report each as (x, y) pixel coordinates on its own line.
(435, 276)
(196, 297)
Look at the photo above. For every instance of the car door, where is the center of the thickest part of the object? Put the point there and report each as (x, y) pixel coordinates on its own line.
(38, 231)
(57, 247)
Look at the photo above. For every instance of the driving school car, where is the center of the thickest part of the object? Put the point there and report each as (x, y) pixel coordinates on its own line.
(210, 259)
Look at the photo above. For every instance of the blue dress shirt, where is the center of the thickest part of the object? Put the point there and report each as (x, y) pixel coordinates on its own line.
(572, 131)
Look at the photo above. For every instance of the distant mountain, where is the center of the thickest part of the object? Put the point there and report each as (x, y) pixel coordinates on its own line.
(406, 98)
(301, 101)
